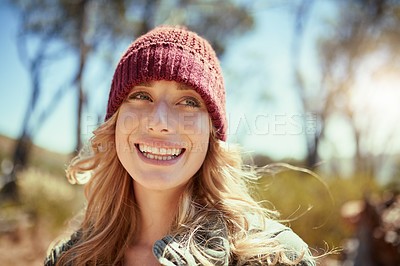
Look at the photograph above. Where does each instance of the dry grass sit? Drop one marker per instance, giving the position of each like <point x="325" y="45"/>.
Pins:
<point x="28" y="228"/>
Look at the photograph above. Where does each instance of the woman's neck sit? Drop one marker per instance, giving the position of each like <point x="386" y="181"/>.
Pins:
<point x="157" y="212"/>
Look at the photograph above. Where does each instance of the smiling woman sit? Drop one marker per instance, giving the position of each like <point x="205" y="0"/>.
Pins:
<point x="164" y="186"/>
<point x="169" y="127"/>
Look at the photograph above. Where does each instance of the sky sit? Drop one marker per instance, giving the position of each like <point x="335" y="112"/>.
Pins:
<point x="256" y="63"/>
<point x="14" y="89"/>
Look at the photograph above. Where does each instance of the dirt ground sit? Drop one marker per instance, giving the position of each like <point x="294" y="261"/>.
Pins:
<point x="24" y="246"/>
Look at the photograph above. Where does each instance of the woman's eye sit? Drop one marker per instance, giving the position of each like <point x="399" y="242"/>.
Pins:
<point x="190" y="102"/>
<point x="142" y="96"/>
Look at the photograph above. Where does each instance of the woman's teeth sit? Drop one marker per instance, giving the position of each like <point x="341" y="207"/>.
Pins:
<point x="156" y="153"/>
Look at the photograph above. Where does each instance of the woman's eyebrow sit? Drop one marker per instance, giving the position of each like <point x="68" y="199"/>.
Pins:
<point x="183" y="86"/>
<point x="145" y="84"/>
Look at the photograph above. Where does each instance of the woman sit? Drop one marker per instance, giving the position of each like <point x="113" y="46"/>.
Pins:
<point x="164" y="187"/>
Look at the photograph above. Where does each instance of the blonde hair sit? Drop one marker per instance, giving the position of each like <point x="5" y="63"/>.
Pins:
<point x="218" y="189"/>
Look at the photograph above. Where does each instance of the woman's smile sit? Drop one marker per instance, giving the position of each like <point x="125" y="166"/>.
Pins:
<point x="159" y="153"/>
<point x="162" y="154"/>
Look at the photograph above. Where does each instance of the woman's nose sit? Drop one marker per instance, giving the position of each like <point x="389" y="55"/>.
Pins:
<point x="159" y="120"/>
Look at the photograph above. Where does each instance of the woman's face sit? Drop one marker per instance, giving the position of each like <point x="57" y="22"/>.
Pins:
<point x="162" y="134"/>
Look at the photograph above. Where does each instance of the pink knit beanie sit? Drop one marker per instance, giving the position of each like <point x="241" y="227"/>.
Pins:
<point x="175" y="54"/>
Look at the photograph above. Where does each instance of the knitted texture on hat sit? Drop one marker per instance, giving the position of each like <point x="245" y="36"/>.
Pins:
<point x="174" y="54"/>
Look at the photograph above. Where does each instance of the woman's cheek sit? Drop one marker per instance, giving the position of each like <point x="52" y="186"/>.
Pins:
<point x="195" y="123"/>
<point x="197" y="128"/>
<point x="128" y="119"/>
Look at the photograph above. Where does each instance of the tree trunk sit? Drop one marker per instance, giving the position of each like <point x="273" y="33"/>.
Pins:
<point x="301" y="16"/>
<point x="24" y="142"/>
<point x="312" y="154"/>
<point x="20" y="159"/>
<point x="83" y="52"/>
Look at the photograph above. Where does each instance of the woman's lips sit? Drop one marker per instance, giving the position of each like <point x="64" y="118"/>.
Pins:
<point x="160" y="154"/>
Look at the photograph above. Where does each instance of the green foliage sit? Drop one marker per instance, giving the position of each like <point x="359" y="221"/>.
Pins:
<point x="307" y="204"/>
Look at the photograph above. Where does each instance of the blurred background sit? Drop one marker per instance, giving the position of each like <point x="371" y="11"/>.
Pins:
<point x="312" y="83"/>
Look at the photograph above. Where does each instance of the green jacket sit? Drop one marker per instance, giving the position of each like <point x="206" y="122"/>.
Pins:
<point x="214" y="239"/>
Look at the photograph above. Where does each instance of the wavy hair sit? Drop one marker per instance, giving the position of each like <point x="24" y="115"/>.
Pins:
<point x="220" y="186"/>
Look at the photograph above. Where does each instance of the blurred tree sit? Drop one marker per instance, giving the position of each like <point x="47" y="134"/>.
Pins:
<point x="84" y="27"/>
<point x="48" y="30"/>
<point x="364" y="29"/>
<point x="301" y="14"/>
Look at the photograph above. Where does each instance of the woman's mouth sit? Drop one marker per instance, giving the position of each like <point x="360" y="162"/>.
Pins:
<point x="161" y="154"/>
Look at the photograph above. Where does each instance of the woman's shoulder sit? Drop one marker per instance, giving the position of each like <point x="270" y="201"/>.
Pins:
<point x="56" y="252"/>
<point x="284" y="235"/>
